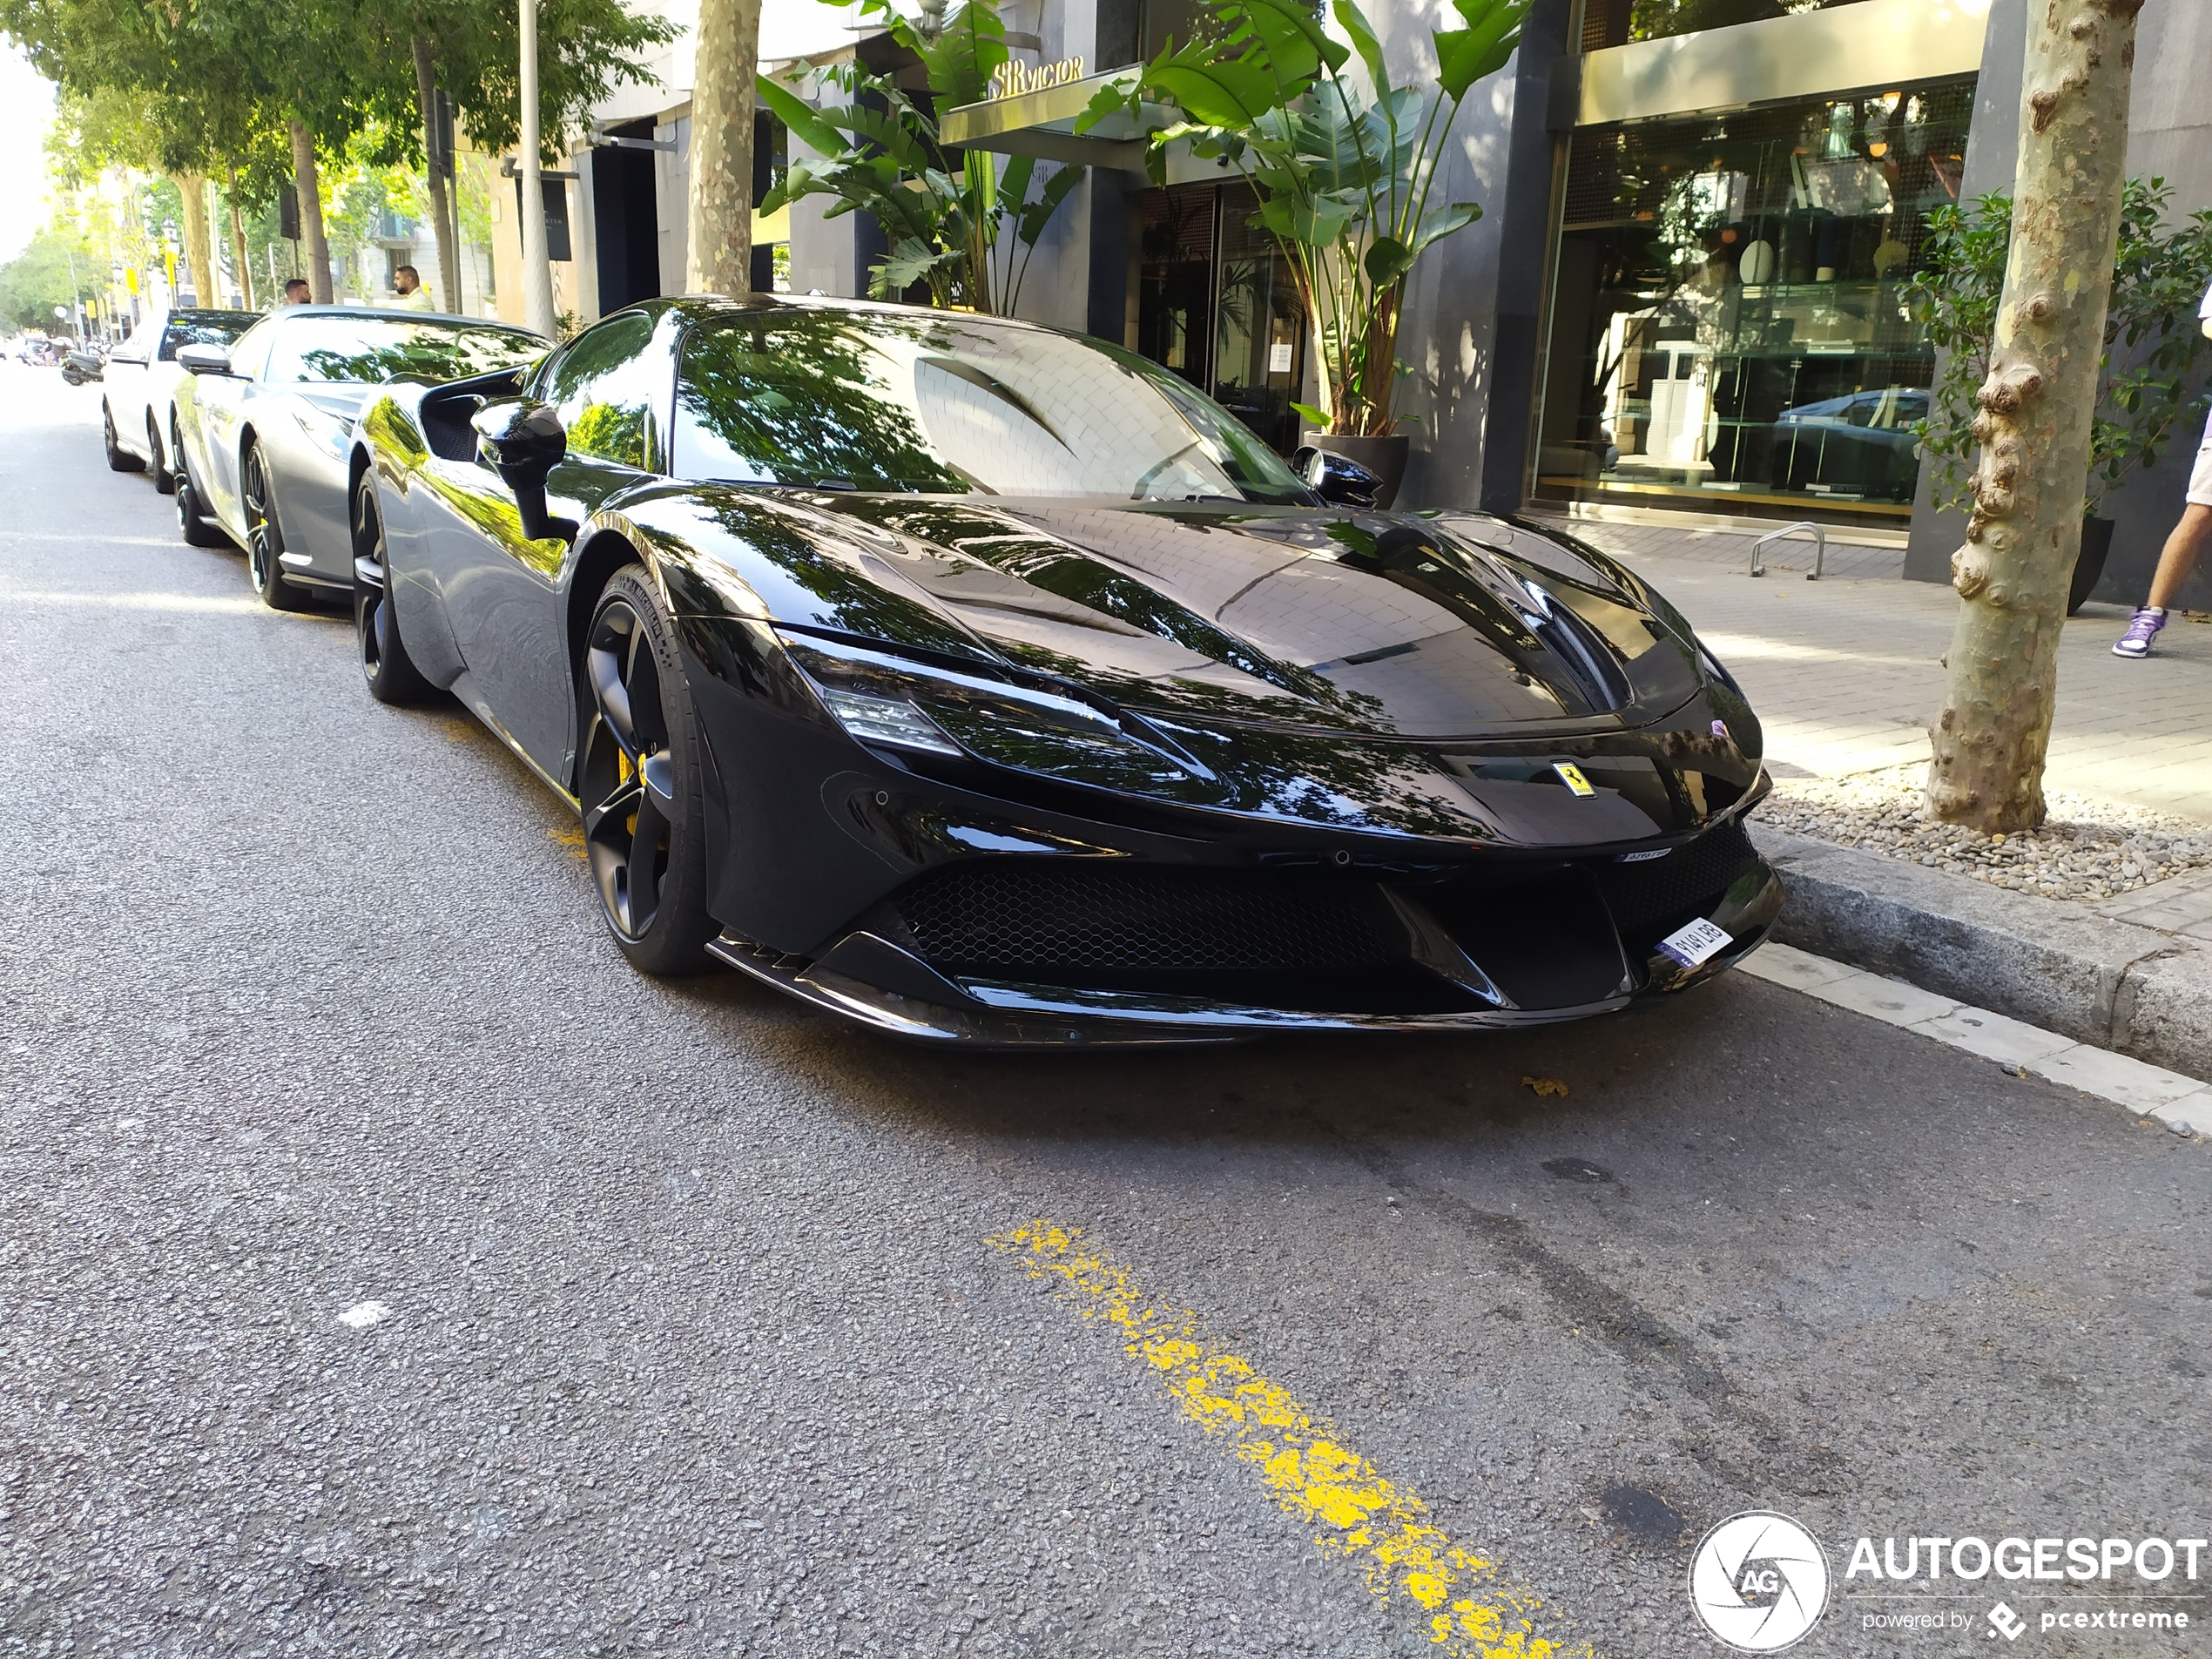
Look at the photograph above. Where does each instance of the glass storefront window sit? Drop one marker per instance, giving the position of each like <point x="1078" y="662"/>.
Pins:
<point x="1216" y="305"/>
<point x="1615" y="22"/>
<point x="1729" y="329"/>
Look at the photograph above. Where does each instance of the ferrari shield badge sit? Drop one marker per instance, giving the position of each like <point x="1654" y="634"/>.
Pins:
<point x="1571" y="775"/>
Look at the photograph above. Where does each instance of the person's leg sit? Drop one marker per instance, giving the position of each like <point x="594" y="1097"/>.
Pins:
<point x="2179" y="557"/>
<point x="2177" y="560"/>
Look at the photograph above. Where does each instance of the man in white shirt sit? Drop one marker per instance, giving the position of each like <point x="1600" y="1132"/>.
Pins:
<point x="407" y="283"/>
<point x="2179" y="557"/>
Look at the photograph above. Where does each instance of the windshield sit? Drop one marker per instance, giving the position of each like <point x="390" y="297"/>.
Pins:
<point x="372" y="350"/>
<point x="204" y="328"/>
<point x="946" y="404"/>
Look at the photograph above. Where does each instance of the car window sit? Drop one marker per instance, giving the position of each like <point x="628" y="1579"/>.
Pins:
<point x="251" y="355"/>
<point x="606" y="388"/>
<point x="947" y="404"/>
<point x="204" y="328"/>
<point x="372" y="350"/>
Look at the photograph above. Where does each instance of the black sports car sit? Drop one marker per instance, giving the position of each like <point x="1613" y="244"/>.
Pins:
<point x="982" y="682"/>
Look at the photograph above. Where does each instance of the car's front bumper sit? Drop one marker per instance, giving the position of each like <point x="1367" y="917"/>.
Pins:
<point x="998" y="1012"/>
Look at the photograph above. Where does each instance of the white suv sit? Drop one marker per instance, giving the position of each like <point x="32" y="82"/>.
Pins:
<point x="140" y="382"/>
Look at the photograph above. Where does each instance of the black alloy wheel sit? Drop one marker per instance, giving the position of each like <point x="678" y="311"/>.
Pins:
<point x="639" y="782"/>
<point x="159" y="465"/>
<point x="118" y="458"/>
<point x="197" y="529"/>
<point x="264" y="538"/>
<point x="392" y="675"/>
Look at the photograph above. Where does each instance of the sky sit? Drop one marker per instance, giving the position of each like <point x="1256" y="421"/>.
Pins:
<point x="26" y="109"/>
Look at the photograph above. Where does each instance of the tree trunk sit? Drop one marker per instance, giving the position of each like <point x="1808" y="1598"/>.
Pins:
<point x="199" y="253"/>
<point x="442" y="224"/>
<point x="307" y="181"/>
<point x="2036" y="405"/>
<point x="238" y="241"/>
<point x="719" y="253"/>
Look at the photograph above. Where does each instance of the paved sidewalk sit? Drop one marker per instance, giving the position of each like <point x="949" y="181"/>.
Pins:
<point x="1846" y="674"/>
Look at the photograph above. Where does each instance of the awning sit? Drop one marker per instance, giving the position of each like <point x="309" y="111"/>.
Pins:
<point x="1042" y="123"/>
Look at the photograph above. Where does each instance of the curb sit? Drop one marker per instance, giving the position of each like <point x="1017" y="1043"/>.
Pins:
<point x="2110" y="984"/>
<point x="2153" y="1094"/>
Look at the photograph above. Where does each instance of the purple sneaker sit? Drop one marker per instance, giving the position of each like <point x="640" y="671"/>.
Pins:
<point x="2144" y="628"/>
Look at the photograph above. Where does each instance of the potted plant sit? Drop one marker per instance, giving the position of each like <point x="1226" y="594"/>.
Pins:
<point x="2152" y="375"/>
<point x="945" y="213"/>
<point x="1344" y="166"/>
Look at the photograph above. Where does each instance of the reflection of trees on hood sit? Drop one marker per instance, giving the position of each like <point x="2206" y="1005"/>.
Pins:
<point x="798" y="401"/>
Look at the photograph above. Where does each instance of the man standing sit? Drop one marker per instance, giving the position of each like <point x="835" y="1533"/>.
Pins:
<point x="2179" y="556"/>
<point x="407" y="282"/>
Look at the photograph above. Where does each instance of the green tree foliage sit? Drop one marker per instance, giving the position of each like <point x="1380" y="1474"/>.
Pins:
<point x="2152" y="376"/>
<point x="38" y="279"/>
<point x="1344" y="164"/>
<point x="946" y="214"/>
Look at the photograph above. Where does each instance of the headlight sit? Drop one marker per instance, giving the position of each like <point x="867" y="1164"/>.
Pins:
<point x="887" y="700"/>
<point x="886" y="720"/>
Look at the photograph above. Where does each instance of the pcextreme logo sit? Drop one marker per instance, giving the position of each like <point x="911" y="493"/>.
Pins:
<point x="1758" y="1582"/>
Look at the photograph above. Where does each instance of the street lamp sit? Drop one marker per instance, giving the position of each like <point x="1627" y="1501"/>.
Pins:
<point x="537" y="270"/>
<point x="75" y="297"/>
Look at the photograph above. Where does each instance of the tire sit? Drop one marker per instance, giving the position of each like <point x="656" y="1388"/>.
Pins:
<point x="159" y="465"/>
<point x="118" y="458"/>
<point x="391" y="673"/>
<point x="639" y="781"/>
<point x="197" y="529"/>
<point x="264" y="536"/>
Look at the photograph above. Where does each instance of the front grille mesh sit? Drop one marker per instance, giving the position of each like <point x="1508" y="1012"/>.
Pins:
<point x="1685" y="883"/>
<point x="1015" y="918"/>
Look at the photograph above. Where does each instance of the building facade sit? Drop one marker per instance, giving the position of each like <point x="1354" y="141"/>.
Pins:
<point x="1686" y="296"/>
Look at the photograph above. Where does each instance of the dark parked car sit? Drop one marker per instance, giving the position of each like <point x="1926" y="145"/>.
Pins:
<point x="977" y="681"/>
<point x="1859" y="444"/>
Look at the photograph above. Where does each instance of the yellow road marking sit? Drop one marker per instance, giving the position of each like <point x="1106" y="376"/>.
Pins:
<point x="570" y="837"/>
<point x="1472" y="1611"/>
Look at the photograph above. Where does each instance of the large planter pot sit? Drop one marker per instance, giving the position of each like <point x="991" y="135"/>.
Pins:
<point x="1384" y="458"/>
<point x="2090" y="563"/>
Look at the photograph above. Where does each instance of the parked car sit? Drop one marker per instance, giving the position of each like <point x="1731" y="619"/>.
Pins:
<point x="984" y="682"/>
<point x="140" y="409"/>
<point x="265" y="427"/>
<point x="1859" y="444"/>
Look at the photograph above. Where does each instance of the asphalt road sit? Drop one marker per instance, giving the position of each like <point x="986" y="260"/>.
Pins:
<point x="676" y="1322"/>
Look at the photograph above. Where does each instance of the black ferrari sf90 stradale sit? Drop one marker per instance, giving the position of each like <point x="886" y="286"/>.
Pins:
<point x="984" y="682"/>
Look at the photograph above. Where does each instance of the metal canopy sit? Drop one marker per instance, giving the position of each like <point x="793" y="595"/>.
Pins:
<point x="1043" y="124"/>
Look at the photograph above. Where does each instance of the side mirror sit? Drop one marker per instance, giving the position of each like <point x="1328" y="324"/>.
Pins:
<point x="523" y="440"/>
<point x="1339" y="481"/>
<point x="204" y="359"/>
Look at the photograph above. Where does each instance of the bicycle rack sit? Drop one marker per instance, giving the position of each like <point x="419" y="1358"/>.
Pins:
<point x="1819" y="547"/>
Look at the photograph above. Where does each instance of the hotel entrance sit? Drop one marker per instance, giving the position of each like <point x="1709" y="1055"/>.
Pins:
<point x="1215" y="303"/>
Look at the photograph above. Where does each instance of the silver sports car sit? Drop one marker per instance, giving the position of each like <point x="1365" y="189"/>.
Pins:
<point x="264" y="428"/>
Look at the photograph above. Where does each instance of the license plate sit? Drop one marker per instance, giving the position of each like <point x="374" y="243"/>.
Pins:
<point x="1693" y="944"/>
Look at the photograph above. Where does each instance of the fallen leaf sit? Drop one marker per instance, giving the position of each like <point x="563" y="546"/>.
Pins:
<point x="2198" y="616"/>
<point x="1545" y="1085"/>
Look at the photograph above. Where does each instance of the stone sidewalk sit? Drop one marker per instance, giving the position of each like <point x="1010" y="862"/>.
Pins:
<point x="1846" y="674"/>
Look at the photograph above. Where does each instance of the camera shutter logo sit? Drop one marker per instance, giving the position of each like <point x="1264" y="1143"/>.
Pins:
<point x="1758" y="1582"/>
